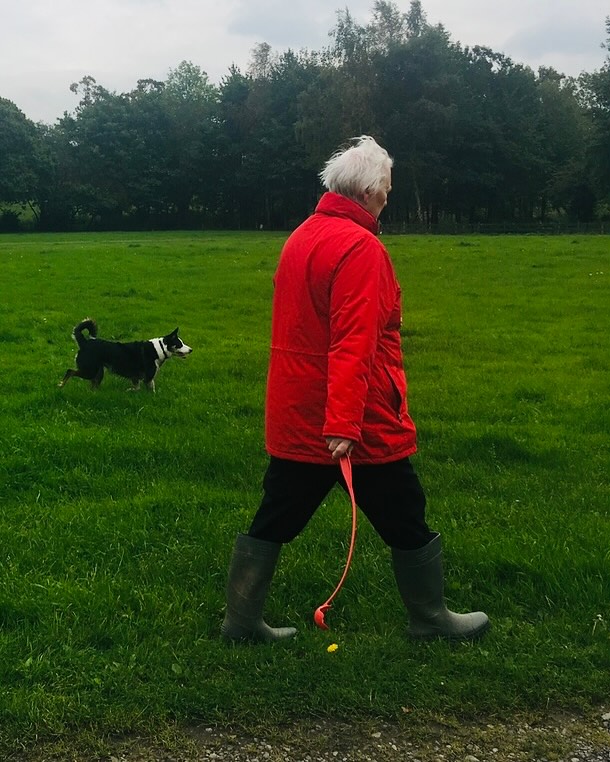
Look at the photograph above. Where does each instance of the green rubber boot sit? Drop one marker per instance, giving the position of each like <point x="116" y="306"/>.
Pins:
<point x="419" y="576"/>
<point x="250" y="575"/>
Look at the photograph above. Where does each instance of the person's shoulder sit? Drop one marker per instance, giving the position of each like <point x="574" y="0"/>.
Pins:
<point x="369" y="240"/>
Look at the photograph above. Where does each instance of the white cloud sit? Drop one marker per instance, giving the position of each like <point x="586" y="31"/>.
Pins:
<point x="45" y="46"/>
<point x="559" y="33"/>
<point x="561" y="36"/>
<point x="278" y="23"/>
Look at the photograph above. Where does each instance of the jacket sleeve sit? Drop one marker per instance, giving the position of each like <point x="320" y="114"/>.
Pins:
<point x="358" y="312"/>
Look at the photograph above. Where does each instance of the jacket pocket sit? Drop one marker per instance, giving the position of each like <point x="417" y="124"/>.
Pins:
<point x="397" y="392"/>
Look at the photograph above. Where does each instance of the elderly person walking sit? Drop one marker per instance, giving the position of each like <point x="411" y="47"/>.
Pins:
<point x="336" y="387"/>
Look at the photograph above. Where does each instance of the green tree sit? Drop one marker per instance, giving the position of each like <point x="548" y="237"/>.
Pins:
<point x="237" y="122"/>
<point x="416" y="19"/>
<point x="100" y="140"/>
<point x="57" y="199"/>
<point x="595" y="96"/>
<point x="337" y="102"/>
<point x="389" y="27"/>
<point x="143" y="157"/>
<point x="414" y="100"/>
<point x="267" y="179"/>
<point x="262" y="60"/>
<point x="191" y="103"/>
<point x="511" y="109"/>
<point x="19" y="154"/>
<point x="565" y="134"/>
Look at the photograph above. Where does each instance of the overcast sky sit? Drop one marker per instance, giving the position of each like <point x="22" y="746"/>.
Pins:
<point x="45" y="45"/>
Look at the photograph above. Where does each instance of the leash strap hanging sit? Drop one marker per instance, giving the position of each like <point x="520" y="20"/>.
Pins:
<point x="346" y="470"/>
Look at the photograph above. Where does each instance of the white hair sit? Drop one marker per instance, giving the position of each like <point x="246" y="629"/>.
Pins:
<point x="362" y="166"/>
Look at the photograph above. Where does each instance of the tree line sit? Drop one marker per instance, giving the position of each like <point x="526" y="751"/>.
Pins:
<point x="475" y="137"/>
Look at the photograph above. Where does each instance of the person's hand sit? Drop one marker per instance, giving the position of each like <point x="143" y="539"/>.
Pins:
<point x="339" y="447"/>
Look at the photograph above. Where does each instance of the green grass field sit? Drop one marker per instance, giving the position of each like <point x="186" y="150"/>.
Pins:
<point x="119" y="509"/>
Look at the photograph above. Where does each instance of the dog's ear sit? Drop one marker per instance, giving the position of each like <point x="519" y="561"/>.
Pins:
<point x="175" y="331"/>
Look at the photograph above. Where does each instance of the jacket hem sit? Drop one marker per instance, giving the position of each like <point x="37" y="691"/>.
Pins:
<point x="328" y="461"/>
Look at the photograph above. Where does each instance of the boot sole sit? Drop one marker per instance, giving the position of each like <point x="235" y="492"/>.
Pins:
<point x="439" y="636"/>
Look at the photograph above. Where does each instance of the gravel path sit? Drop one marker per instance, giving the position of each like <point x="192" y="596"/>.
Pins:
<point x="557" y="738"/>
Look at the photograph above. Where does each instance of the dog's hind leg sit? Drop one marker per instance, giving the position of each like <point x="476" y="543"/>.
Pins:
<point x="67" y="376"/>
<point x="97" y="379"/>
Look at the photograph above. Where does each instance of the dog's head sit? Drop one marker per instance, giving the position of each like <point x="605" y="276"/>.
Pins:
<point x="175" y="346"/>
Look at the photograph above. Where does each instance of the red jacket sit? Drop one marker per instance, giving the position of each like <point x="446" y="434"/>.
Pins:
<point x="336" y="367"/>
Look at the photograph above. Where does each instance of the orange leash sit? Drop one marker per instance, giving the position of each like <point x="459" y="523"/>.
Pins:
<point x="346" y="470"/>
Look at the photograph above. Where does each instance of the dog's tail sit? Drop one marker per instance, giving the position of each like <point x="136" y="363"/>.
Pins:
<point x="88" y="325"/>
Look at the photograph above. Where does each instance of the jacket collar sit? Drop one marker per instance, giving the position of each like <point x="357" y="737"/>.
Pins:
<point x="336" y="205"/>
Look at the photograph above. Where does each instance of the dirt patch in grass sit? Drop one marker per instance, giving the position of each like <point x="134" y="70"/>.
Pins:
<point x="557" y="737"/>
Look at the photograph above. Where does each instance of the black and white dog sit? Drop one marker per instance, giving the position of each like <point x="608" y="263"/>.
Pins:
<point x="136" y="360"/>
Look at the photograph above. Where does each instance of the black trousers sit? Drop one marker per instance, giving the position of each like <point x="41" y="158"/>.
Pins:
<point x="390" y="495"/>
